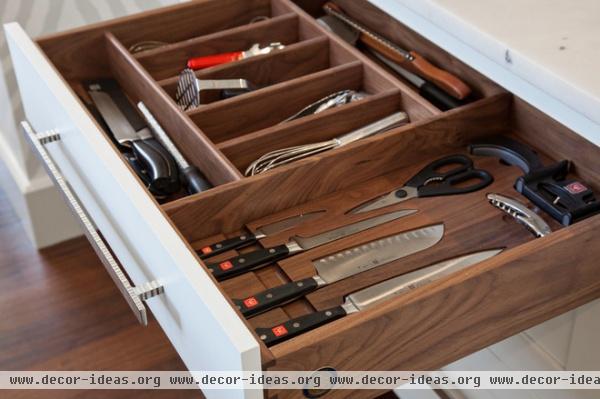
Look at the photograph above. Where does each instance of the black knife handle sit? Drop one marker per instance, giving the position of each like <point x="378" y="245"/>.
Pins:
<point x="299" y="325"/>
<point x="246" y="262"/>
<point x="196" y="182"/>
<point x="226" y="245"/>
<point x="439" y="97"/>
<point x="159" y="164"/>
<point x="275" y="297"/>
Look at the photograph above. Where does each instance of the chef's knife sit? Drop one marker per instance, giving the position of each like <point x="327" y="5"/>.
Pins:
<point x="130" y="130"/>
<point x="245" y="262"/>
<point x="344" y="264"/>
<point x="372" y="295"/>
<point x="264" y="231"/>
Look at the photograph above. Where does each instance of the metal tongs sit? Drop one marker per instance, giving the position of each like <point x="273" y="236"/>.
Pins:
<point x="284" y="156"/>
<point x="331" y="101"/>
<point x="521" y="213"/>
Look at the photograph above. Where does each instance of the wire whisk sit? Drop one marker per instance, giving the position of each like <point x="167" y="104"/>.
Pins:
<point x="284" y="156"/>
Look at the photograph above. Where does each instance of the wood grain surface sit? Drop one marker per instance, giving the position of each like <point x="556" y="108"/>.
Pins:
<point x="169" y="60"/>
<point x="194" y="145"/>
<point x="533" y="280"/>
<point x="312" y="129"/>
<point x="266" y="107"/>
<point x="169" y="24"/>
<point x="296" y="60"/>
<point x="226" y="209"/>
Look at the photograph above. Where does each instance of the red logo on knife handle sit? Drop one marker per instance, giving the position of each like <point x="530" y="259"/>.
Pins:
<point x="206" y="250"/>
<point x="250" y="302"/>
<point x="226" y="265"/>
<point x="279" y="330"/>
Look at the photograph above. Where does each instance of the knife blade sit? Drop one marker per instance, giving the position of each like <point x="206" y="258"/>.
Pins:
<point x="344" y="264"/>
<point x="130" y="130"/>
<point x="264" y="231"/>
<point x="245" y="262"/>
<point x="371" y="296"/>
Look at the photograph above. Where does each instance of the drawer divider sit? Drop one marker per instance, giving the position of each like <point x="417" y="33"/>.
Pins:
<point x="170" y="59"/>
<point x="271" y="105"/>
<point x="311" y="129"/>
<point x="193" y="143"/>
<point x="295" y="60"/>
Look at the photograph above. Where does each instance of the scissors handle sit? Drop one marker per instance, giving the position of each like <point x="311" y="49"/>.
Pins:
<point x="431" y="172"/>
<point x="451" y="185"/>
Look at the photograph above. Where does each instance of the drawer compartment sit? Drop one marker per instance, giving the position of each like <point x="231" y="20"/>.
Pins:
<point x="530" y="281"/>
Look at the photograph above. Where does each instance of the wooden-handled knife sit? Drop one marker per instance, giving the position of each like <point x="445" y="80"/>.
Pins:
<point x="410" y="60"/>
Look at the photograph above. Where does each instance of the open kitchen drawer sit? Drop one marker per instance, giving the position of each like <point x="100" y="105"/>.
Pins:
<point x="531" y="281"/>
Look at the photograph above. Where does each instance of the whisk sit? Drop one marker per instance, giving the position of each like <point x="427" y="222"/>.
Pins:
<point x="284" y="156"/>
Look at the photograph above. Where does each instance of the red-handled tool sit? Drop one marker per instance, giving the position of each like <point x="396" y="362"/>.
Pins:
<point x="208" y="61"/>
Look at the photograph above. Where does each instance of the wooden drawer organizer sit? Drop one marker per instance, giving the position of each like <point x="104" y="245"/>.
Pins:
<point x="534" y="280"/>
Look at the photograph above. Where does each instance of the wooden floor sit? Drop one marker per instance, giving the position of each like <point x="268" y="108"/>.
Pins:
<point x="59" y="310"/>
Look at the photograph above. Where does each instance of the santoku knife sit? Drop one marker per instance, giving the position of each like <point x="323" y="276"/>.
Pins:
<point x="264" y="231"/>
<point x="243" y="263"/>
<point x="372" y="295"/>
<point x="344" y="264"/>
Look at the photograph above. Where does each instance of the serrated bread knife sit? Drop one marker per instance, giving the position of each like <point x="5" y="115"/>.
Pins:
<point x="344" y="264"/>
<point x="371" y="296"/>
<point x="246" y="262"/>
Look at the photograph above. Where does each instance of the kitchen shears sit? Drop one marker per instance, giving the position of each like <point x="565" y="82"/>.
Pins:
<point x="435" y="179"/>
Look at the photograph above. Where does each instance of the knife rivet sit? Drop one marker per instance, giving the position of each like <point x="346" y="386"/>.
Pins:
<point x="242" y="238"/>
<point x="296" y="325"/>
<point x="328" y="313"/>
<point x="269" y="296"/>
<point x="241" y="260"/>
<point x="300" y="284"/>
<point x="271" y="251"/>
<point x="263" y="337"/>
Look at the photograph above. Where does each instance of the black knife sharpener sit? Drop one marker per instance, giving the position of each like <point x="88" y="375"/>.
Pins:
<point x="566" y="200"/>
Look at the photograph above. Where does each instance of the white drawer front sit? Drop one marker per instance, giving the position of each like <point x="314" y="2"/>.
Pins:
<point x="202" y="326"/>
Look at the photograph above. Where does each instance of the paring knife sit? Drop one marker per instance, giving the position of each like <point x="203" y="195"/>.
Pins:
<point x="243" y="263"/>
<point x="264" y="231"/>
<point x="370" y="296"/>
<point x="343" y="265"/>
<point x="195" y="181"/>
<point x="130" y="130"/>
<point x="410" y="60"/>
